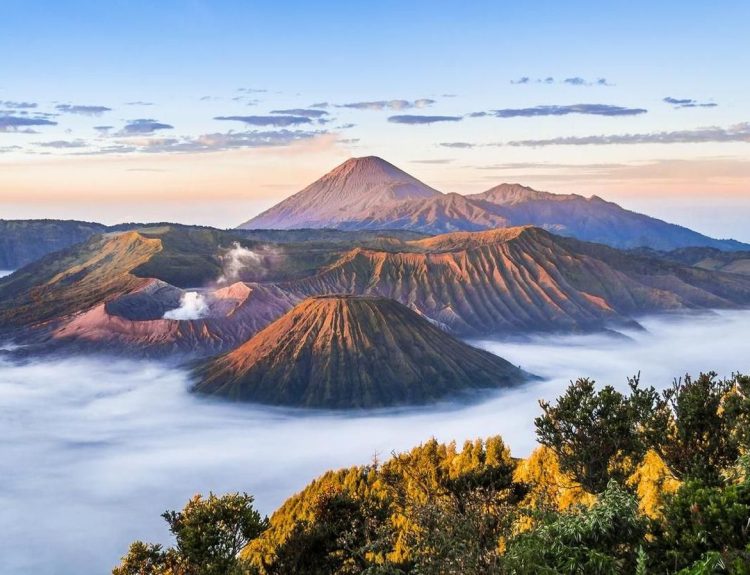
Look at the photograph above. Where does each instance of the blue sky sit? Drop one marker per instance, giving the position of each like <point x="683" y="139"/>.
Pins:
<point x="563" y="96"/>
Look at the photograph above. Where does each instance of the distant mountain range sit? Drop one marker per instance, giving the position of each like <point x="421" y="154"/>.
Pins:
<point x="24" y="241"/>
<point x="352" y="352"/>
<point x="360" y="307"/>
<point x="113" y="291"/>
<point x="371" y="194"/>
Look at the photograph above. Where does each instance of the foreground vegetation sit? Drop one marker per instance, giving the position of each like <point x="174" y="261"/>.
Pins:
<point x="638" y="482"/>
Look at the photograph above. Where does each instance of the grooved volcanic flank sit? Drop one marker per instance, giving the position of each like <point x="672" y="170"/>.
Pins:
<point x="356" y="185"/>
<point x="352" y="352"/>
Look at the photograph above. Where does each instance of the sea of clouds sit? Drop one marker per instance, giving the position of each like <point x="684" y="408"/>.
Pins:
<point x="94" y="449"/>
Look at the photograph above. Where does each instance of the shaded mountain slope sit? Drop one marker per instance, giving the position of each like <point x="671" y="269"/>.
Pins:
<point x="352" y="352"/>
<point x="371" y="194"/>
<point x="134" y="324"/>
<point x="356" y="185"/>
<point x="112" y="292"/>
<point x="522" y="279"/>
<point x="707" y="258"/>
<point x="67" y="282"/>
<point x="24" y="241"/>
<point x="591" y="219"/>
<point x="440" y="214"/>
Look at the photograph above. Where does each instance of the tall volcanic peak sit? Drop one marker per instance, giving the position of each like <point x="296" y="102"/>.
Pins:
<point x="353" y="187"/>
<point x="371" y="194"/>
<point x="343" y="352"/>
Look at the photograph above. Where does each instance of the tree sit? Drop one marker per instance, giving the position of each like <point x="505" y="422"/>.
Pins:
<point x="700" y="426"/>
<point x="596" y="435"/>
<point x="702" y="521"/>
<point x="457" y="515"/>
<point x="607" y="537"/>
<point x="346" y="536"/>
<point x="209" y="534"/>
<point x="143" y="559"/>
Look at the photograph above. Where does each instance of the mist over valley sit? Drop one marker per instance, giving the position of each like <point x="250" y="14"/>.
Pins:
<point x="96" y="448"/>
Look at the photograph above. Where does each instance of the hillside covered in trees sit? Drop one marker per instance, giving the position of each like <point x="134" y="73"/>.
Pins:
<point x="637" y="482"/>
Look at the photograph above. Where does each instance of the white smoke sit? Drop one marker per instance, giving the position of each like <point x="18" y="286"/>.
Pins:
<point x="237" y="259"/>
<point x="192" y="306"/>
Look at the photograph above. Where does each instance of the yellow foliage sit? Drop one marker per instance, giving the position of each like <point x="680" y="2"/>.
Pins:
<point x="652" y="480"/>
<point x="419" y="472"/>
<point x="549" y="486"/>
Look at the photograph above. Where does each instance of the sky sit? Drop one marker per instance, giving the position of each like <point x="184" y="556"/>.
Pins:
<point x="210" y="111"/>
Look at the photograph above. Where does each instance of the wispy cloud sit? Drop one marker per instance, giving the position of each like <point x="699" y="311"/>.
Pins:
<point x="231" y="140"/>
<point x="82" y="110"/>
<point x="458" y="145"/>
<point x="139" y="103"/>
<point x="435" y="161"/>
<point x="103" y="129"/>
<point x="415" y="119"/>
<point x="17" y="105"/>
<point x="571" y="81"/>
<point x="578" y="81"/>
<point x="736" y="133"/>
<point x="306" y="112"/>
<point x="587" y="109"/>
<point x="143" y="126"/>
<point x="277" y="121"/>
<point x="389" y="104"/>
<point x="22" y="123"/>
<point x="206" y="142"/>
<point x="688" y="103"/>
<point x="62" y="144"/>
<point x="544" y="166"/>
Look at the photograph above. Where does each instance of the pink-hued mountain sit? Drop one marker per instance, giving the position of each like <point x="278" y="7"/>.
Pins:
<point x="371" y="194"/>
<point x="351" y="188"/>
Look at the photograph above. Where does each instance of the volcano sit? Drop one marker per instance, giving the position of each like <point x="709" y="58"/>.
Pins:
<point x="347" y="352"/>
<point x="352" y="187"/>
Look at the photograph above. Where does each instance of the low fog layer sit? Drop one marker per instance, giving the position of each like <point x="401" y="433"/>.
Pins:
<point x="94" y="450"/>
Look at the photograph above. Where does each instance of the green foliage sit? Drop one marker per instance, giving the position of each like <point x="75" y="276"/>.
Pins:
<point x="595" y="434"/>
<point x="209" y="533"/>
<point x="143" y="559"/>
<point x="437" y="510"/>
<point x="606" y="538"/>
<point x="704" y="521"/>
<point x="701" y="425"/>
<point x="346" y="536"/>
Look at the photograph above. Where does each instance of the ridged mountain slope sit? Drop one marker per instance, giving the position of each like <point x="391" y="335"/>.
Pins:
<point x="24" y="241"/>
<point x="522" y="279"/>
<point x="590" y="219"/>
<point x="352" y="187"/>
<point x="352" y="352"/>
<point x="441" y="214"/>
<point x="76" y="279"/>
<point x="371" y="194"/>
